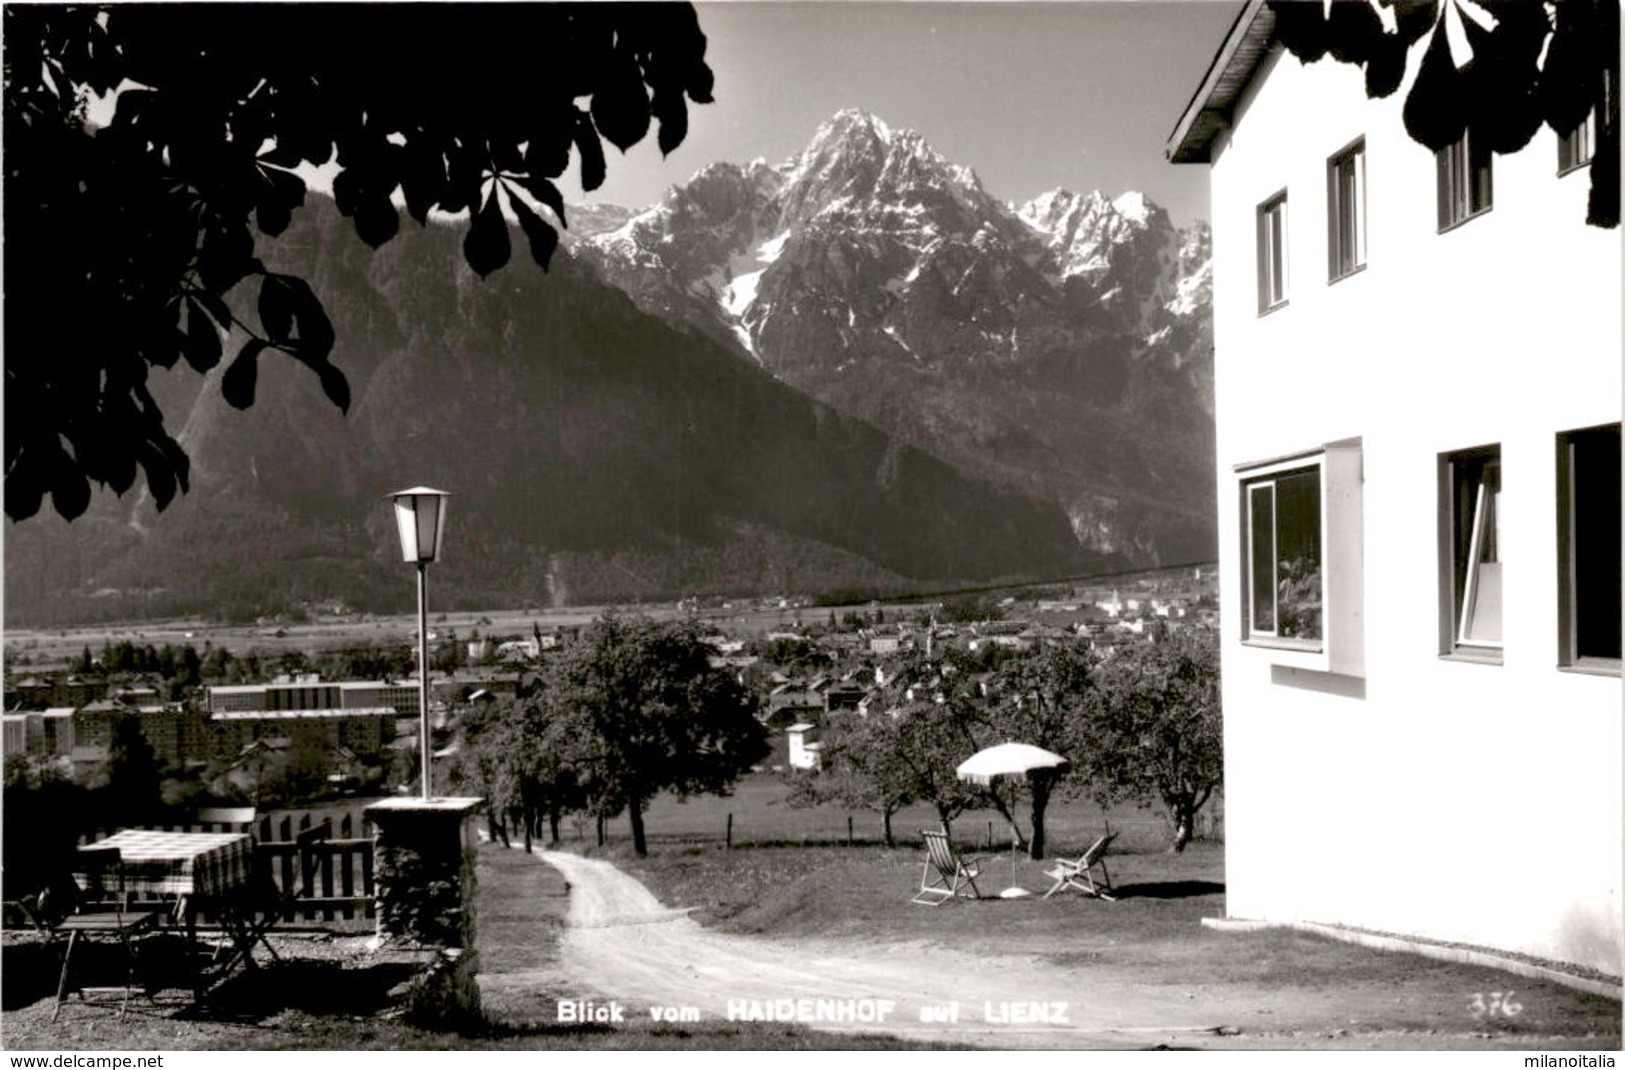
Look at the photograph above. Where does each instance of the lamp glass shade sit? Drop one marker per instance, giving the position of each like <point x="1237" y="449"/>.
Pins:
<point x="420" y="514"/>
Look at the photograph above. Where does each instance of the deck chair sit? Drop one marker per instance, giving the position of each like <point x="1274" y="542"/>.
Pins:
<point x="103" y="909"/>
<point x="1079" y="874"/>
<point x="945" y="875"/>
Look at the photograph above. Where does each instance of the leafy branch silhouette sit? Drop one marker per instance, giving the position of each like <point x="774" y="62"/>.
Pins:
<point x="125" y="237"/>
<point x="1516" y="64"/>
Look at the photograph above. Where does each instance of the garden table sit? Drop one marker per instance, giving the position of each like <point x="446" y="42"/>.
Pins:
<point x="204" y="872"/>
<point x="190" y="865"/>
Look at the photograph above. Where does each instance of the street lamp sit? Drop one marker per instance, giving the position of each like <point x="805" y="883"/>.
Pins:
<point x="420" y="513"/>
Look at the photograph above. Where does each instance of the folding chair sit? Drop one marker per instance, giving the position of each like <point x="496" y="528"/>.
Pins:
<point x="260" y="906"/>
<point x="1080" y="875"/>
<point x="103" y="909"/>
<point x="945" y="875"/>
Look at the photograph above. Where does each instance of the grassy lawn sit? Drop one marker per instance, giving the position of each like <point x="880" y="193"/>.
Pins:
<point x="761" y="816"/>
<point x="1274" y="987"/>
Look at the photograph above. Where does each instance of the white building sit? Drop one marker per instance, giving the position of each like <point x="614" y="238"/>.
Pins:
<point x="1421" y="673"/>
<point x="800" y="752"/>
<point x="520" y="649"/>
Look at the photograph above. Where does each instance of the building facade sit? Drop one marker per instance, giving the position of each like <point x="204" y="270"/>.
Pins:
<point x="177" y="733"/>
<point x="50" y="732"/>
<point x="314" y="694"/>
<point x="362" y="732"/>
<point x="1418" y="395"/>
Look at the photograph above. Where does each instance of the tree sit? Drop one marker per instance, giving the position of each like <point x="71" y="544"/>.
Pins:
<point x="1046" y="696"/>
<point x="43" y="814"/>
<point x="134" y="779"/>
<point x="488" y="759"/>
<point x="861" y="766"/>
<point x="970" y="608"/>
<point x="449" y="654"/>
<point x="1513" y="66"/>
<point x="139" y="233"/>
<point x="648" y="713"/>
<point x="909" y="749"/>
<point x="930" y="741"/>
<point x="508" y="754"/>
<point x="1157" y="732"/>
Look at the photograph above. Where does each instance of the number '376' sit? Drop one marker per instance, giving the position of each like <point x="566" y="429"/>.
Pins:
<point x="1497" y="1003"/>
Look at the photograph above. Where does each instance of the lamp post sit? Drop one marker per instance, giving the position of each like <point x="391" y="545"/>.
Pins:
<point x="420" y="513"/>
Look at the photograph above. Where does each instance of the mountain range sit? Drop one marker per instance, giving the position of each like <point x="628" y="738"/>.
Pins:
<point x="854" y="371"/>
<point x="1062" y="347"/>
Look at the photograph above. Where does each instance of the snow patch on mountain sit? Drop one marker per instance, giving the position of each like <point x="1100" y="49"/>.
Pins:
<point x="772" y="249"/>
<point x="745" y="340"/>
<point x="1194" y="291"/>
<point x="740" y="294"/>
<point x="1133" y="207"/>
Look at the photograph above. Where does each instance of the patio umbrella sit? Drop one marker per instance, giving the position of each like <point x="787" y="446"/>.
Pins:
<point x="1008" y="759"/>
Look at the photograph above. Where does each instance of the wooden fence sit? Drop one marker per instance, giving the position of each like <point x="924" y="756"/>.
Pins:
<point x="321" y="879"/>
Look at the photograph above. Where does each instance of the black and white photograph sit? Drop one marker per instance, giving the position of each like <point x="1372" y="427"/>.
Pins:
<point x="795" y="525"/>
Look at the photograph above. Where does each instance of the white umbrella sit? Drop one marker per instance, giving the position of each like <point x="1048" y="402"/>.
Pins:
<point x="1008" y="759"/>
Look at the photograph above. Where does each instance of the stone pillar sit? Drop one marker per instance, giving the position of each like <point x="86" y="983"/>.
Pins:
<point x="423" y="867"/>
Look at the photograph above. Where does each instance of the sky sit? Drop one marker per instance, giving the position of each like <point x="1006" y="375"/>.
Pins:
<point x="1080" y="94"/>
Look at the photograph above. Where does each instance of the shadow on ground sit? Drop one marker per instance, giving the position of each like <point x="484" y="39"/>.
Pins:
<point x="320" y="988"/>
<point x="31" y="972"/>
<point x="1168" y="890"/>
<point x="28" y="973"/>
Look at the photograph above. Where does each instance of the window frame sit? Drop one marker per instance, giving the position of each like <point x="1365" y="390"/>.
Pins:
<point x="1461" y="580"/>
<point x="1273" y="257"/>
<point x="1457" y="166"/>
<point x="1576" y="149"/>
<point x="1341" y="261"/>
<point x="1568" y="584"/>
<point x="1269" y="475"/>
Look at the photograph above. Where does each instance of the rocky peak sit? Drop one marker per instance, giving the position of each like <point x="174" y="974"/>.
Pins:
<point x="856" y="159"/>
<point x="1087" y="234"/>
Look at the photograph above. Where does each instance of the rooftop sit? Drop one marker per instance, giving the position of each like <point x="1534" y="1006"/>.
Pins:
<point x="289" y="715"/>
<point x="1212" y="108"/>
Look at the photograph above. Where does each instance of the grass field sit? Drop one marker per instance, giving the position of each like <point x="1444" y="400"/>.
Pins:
<point x="761" y="816"/>
<point x="45" y="647"/>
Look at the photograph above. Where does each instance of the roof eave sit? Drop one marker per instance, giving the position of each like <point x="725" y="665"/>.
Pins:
<point x="1212" y="108"/>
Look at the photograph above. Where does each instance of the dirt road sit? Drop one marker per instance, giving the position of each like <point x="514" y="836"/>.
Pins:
<point x="624" y="945"/>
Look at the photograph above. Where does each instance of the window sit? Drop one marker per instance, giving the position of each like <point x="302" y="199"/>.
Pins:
<point x="1301" y="528"/>
<point x="1272" y="254"/>
<point x="1588" y="525"/>
<point x="1575" y="149"/>
<point x="1465" y="185"/>
<point x="1282" y="516"/>
<point x="1345" y="211"/>
<point x="1472" y="512"/>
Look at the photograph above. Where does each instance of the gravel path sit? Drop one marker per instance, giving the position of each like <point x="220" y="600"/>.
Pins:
<point x="622" y="943"/>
